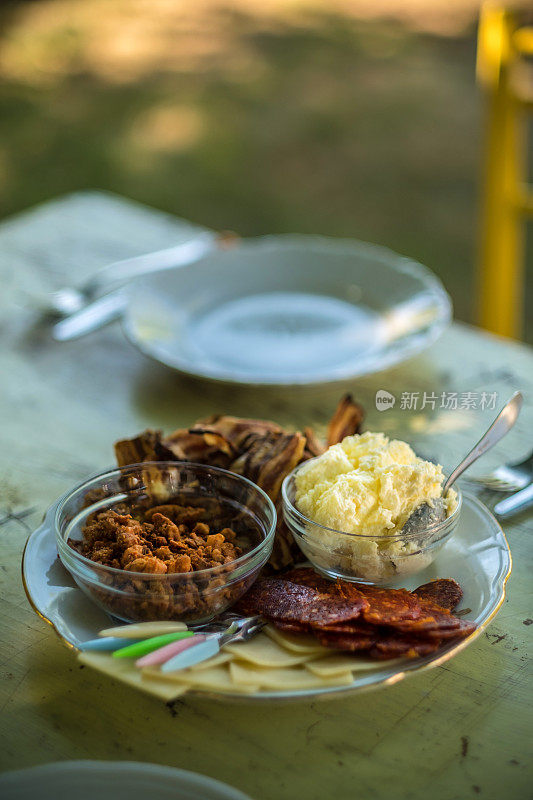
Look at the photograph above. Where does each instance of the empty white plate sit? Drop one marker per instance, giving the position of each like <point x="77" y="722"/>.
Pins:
<point x="284" y="310"/>
<point x="112" y="780"/>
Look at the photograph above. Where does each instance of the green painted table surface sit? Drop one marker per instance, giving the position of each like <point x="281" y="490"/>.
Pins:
<point x="461" y="730"/>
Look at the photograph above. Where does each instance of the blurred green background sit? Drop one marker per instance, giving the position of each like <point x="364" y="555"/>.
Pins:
<point x="347" y="117"/>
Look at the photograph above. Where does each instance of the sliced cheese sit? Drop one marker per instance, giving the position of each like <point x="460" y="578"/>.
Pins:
<point x="340" y="662"/>
<point x="214" y="661"/>
<point x="125" y="671"/>
<point x="266" y="652"/>
<point x="300" y="643"/>
<point x="214" y="679"/>
<point x="283" y="679"/>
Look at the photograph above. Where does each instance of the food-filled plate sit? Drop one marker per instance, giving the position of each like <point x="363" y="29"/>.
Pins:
<point x="477" y="557"/>
<point x="287" y="310"/>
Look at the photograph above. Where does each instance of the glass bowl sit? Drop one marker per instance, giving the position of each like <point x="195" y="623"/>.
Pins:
<point x="361" y="557"/>
<point x="191" y="597"/>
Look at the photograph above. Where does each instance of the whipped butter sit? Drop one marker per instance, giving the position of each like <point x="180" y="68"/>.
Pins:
<point x="369" y="485"/>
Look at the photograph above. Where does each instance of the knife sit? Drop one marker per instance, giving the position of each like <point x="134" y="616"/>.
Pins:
<point x="95" y="315"/>
<point x="516" y="502"/>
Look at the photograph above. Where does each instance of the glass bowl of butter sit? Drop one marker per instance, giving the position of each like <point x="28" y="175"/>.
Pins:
<point x="346" y="509"/>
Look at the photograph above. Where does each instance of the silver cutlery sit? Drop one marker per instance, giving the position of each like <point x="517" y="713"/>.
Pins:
<point x="426" y="514"/>
<point x="508" y="477"/>
<point x="517" y="502"/>
<point x="94" y="316"/>
<point x="71" y="300"/>
<point x="88" y="313"/>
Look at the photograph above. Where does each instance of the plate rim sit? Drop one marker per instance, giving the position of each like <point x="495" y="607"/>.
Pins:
<point x="396" y="356"/>
<point x="150" y="768"/>
<point x="331" y="692"/>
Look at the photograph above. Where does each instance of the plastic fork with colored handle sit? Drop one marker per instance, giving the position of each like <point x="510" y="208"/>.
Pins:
<point x="180" y="655"/>
<point x="134" y="647"/>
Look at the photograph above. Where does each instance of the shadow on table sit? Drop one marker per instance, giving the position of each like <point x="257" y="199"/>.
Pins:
<point x="165" y="396"/>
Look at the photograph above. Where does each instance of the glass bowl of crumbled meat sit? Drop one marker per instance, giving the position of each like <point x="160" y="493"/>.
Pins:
<point x="165" y="540"/>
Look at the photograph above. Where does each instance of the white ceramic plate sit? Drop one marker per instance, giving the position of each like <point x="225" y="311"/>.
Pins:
<point x="112" y="780"/>
<point x="287" y="310"/>
<point x="477" y="556"/>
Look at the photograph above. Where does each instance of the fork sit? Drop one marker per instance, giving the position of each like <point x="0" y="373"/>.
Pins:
<point x="71" y="300"/>
<point x="238" y="631"/>
<point x="508" y="477"/>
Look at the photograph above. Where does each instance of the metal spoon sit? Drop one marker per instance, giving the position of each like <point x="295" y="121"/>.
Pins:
<point x="426" y="514"/>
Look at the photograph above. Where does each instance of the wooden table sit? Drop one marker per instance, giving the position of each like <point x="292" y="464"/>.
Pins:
<point x="458" y="731"/>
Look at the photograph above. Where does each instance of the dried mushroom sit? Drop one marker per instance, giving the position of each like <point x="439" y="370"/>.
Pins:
<point x="346" y="420"/>
<point x="260" y="450"/>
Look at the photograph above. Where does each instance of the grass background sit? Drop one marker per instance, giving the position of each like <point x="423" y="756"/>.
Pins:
<point x="347" y="117"/>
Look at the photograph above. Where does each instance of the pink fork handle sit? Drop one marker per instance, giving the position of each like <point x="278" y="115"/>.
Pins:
<point x="169" y="650"/>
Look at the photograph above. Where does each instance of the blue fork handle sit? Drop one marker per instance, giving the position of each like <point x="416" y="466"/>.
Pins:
<point x="107" y="644"/>
<point x="194" y="655"/>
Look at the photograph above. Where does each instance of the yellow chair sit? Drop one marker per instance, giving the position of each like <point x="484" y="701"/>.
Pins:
<point x="504" y="74"/>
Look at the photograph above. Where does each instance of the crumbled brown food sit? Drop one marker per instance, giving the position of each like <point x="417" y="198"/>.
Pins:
<point x="156" y="546"/>
<point x="178" y="514"/>
<point x="444" y="591"/>
<point x="382" y="623"/>
<point x="152" y="546"/>
<point x="147" y="564"/>
<point x="257" y="449"/>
